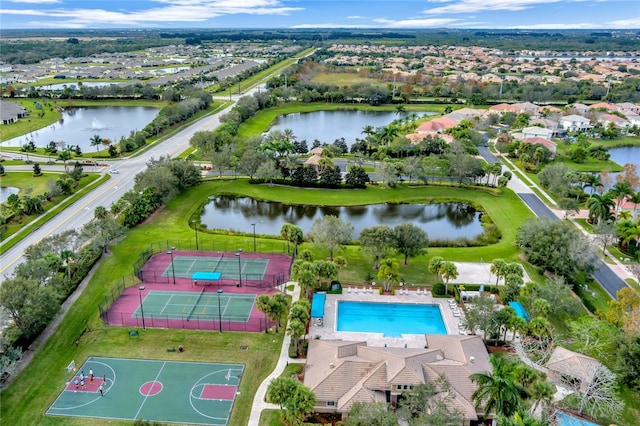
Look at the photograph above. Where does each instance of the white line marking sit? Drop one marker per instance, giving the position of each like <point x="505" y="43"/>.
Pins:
<point x="145" y="398"/>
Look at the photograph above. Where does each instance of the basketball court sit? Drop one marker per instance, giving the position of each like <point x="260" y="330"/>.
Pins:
<point x="164" y="391"/>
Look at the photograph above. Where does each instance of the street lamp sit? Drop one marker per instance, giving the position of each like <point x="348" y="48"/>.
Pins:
<point x="254" y="237"/>
<point x="220" y="291"/>
<point x="140" y="290"/>
<point x="195" y="227"/>
<point x="173" y="269"/>
<point x="239" y="266"/>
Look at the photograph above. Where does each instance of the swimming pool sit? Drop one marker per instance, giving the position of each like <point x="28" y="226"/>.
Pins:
<point x="392" y="319"/>
<point x="520" y="310"/>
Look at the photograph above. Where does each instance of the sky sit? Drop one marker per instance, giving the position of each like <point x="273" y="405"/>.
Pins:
<point x="390" y="14"/>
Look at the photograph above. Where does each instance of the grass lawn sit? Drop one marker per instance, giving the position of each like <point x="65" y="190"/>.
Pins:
<point x="507" y="211"/>
<point x="344" y="79"/>
<point x="25" y="401"/>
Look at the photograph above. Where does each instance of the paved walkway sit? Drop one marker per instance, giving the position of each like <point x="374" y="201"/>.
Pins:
<point x="259" y="403"/>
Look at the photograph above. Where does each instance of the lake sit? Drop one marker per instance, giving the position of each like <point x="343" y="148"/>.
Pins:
<point x="5" y="191"/>
<point x="439" y="220"/>
<point x="78" y="125"/>
<point x="327" y="126"/>
<point x="624" y="155"/>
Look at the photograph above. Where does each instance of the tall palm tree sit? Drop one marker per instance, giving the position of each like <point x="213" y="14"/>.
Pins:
<point x="497" y="390"/>
<point x="600" y="207"/>
<point x="635" y="199"/>
<point x="434" y="266"/>
<point x="96" y="141"/>
<point x="592" y="180"/>
<point x="620" y="191"/>
<point x="448" y="270"/>
<point x="498" y="268"/>
<point x="387" y="134"/>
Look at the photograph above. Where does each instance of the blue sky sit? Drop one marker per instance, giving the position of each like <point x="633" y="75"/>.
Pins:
<point x="533" y="14"/>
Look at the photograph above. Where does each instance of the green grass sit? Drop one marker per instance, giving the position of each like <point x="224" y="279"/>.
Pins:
<point x="507" y="211"/>
<point x="344" y="79"/>
<point x="271" y="418"/>
<point x="25" y="401"/>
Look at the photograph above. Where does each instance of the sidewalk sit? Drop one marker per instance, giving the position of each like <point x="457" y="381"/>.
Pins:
<point x="259" y="403"/>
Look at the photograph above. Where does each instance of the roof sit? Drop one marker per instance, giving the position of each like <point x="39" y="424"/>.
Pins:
<point x="540" y="141"/>
<point x="573" y="364"/>
<point x="604" y="105"/>
<point x="350" y="371"/>
<point x="574" y="117"/>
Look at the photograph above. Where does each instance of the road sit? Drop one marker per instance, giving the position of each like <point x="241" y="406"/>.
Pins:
<point x="81" y="212"/>
<point x="607" y="279"/>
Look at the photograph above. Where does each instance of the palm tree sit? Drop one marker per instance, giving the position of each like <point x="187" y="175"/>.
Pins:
<point x="541" y="393"/>
<point x="96" y="141"/>
<point x="263" y="303"/>
<point x="434" y="266"/>
<point x="448" y="270"/>
<point x="389" y="272"/>
<point x="497" y="390"/>
<point x="600" y="207"/>
<point x="387" y="134"/>
<point x="592" y="181"/>
<point x="498" y="267"/>
<point x="620" y="191"/>
<point x="635" y="199"/>
<point x="295" y="330"/>
<point x="540" y="327"/>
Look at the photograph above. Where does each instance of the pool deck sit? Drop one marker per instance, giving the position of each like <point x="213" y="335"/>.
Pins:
<point x="327" y="330"/>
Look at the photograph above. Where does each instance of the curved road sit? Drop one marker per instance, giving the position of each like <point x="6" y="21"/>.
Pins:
<point x="607" y="279"/>
<point x="81" y="212"/>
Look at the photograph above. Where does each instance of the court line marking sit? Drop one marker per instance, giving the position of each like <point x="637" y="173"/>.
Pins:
<point x="192" y="397"/>
<point x="113" y="382"/>
<point x="165" y="305"/>
<point x="122" y="418"/>
<point x="147" y="396"/>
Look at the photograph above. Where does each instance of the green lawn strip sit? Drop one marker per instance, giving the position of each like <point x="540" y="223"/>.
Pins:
<point x="507" y="211"/>
<point x="271" y="417"/>
<point x="622" y="141"/>
<point x="590" y="165"/>
<point x="260" y="122"/>
<point x="87" y="184"/>
<point x="585" y="225"/>
<point x="633" y="283"/>
<point x="25" y="401"/>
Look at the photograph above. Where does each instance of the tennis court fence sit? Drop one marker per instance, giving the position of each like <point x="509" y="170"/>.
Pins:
<point x="197" y="322"/>
<point x="248" y="280"/>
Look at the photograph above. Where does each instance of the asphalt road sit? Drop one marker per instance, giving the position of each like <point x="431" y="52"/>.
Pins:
<point x="81" y="212"/>
<point x="602" y="273"/>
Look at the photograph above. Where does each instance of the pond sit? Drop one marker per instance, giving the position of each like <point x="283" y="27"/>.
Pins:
<point x="440" y="220"/>
<point x="327" y="126"/>
<point x="76" y="85"/>
<point x="5" y="191"/>
<point x="624" y="155"/>
<point x="78" y="125"/>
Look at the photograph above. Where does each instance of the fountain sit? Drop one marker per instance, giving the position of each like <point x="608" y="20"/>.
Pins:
<point x="96" y="125"/>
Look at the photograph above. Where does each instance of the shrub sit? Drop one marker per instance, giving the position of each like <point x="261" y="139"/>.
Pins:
<point x="438" y="289"/>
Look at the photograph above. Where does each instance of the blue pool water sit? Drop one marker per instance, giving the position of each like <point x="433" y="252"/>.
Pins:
<point x="566" y="420"/>
<point x="520" y="310"/>
<point x="392" y="319"/>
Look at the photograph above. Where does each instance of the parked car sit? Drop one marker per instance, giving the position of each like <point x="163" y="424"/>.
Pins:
<point x="17" y="157"/>
<point x="114" y="171"/>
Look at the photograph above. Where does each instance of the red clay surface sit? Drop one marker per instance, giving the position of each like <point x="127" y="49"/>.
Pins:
<point x="121" y="311"/>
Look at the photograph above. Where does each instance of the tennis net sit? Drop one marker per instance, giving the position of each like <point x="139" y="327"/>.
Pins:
<point x="193" y="308"/>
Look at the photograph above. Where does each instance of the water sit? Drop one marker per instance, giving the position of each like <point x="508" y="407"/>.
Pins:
<point x="5" y="191"/>
<point x="520" y="310"/>
<point x="392" y="319"/>
<point x="624" y="155"/>
<point x="78" y="125"/>
<point x="76" y="86"/>
<point x="439" y="220"/>
<point x="327" y="126"/>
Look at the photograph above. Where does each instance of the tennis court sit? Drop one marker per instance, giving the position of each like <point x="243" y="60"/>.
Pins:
<point x="194" y="305"/>
<point x="163" y="391"/>
<point x="228" y="267"/>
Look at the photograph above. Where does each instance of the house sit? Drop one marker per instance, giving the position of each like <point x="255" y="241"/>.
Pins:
<point x="550" y="145"/>
<point x="572" y="369"/>
<point x="341" y="372"/>
<point x="603" y="106"/>
<point x="501" y="109"/>
<point x="575" y="123"/>
<point x="537" y="132"/>
<point x="628" y="108"/>
<point x="437" y="125"/>
<point x="607" y="119"/>
<point x="11" y="111"/>
<point x="580" y="108"/>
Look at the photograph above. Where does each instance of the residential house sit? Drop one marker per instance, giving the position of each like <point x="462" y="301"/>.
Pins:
<point x="11" y="111"/>
<point x="550" y="145"/>
<point x="436" y="126"/>
<point x="580" y="108"/>
<point x="603" y="106"/>
<point x="575" y="123"/>
<point x="537" y="132"/>
<point x="607" y="119"/>
<point x="628" y="108"/>
<point x="341" y="372"/>
<point x="571" y="369"/>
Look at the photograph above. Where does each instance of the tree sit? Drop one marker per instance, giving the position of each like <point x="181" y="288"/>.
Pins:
<point x="221" y="158"/>
<point x="267" y="171"/>
<point x="295" y="398"/>
<point x="340" y="262"/>
<point x="434" y="266"/>
<point x="497" y="268"/>
<point x="600" y="207"/>
<point x="479" y="314"/>
<point x="356" y="176"/>
<point x="96" y="140"/>
<point x="627" y="356"/>
<point x="598" y="398"/>
<point x="295" y="330"/>
<point x="624" y="310"/>
<point x="376" y="241"/>
<point x="629" y="175"/>
<point x="389" y="273"/>
<point x="263" y="304"/>
<point x="292" y="234"/>
<point x="330" y="233"/>
<point x="277" y="308"/>
<point x="371" y="414"/>
<point x="557" y="246"/>
<point x="571" y="206"/>
<point x="593" y="337"/>
<point x="37" y="171"/>
<point x="448" y="270"/>
<point x="29" y="305"/>
<point x="410" y="240"/>
<point x="522" y="418"/>
<point x="497" y="390"/>
<point x="430" y="404"/>
<point x="620" y="191"/>
<point x="605" y="233"/>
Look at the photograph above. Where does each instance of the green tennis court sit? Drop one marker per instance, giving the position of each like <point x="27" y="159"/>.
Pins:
<point x="229" y="267"/>
<point x="163" y="391"/>
<point x="190" y="305"/>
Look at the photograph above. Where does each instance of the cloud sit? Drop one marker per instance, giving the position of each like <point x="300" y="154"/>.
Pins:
<point x="626" y="23"/>
<point x="468" y="6"/>
<point x="34" y="1"/>
<point x="416" y="23"/>
<point x="170" y="11"/>
<point x="563" y="26"/>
